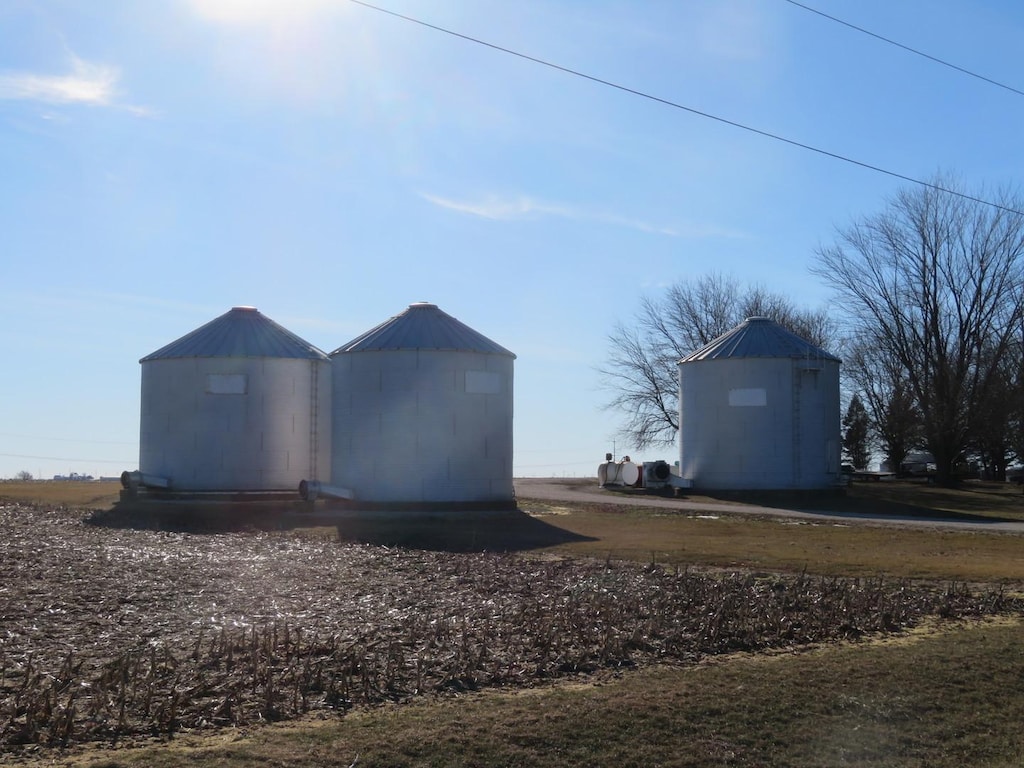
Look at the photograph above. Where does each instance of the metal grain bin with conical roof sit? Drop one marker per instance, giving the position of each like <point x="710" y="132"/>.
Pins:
<point x="239" y="404"/>
<point x="423" y="413"/>
<point x="759" y="409"/>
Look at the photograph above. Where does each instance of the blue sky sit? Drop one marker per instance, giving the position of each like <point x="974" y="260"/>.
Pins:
<point x="163" y="161"/>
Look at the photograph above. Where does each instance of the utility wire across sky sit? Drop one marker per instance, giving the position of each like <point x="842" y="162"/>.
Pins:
<point x="907" y="48"/>
<point x="64" y="458"/>
<point x="691" y="110"/>
<point x="70" y="439"/>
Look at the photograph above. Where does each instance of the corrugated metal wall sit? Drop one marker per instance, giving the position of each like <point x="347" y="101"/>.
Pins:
<point x="241" y="424"/>
<point x="759" y="423"/>
<point x="423" y="425"/>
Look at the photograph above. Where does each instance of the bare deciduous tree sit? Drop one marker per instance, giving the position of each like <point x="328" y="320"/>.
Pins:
<point x="881" y="383"/>
<point x="998" y="420"/>
<point x="640" y="370"/>
<point x="936" y="282"/>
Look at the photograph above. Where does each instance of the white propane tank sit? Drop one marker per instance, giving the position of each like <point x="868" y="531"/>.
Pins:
<point x="629" y="473"/>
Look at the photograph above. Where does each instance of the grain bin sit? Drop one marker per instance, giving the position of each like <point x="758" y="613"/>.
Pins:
<point x="759" y="409"/>
<point x="422" y="410"/>
<point x="239" y="404"/>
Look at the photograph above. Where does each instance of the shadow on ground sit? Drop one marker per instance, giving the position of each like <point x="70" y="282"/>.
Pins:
<point x="502" y="531"/>
<point x="511" y="531"/>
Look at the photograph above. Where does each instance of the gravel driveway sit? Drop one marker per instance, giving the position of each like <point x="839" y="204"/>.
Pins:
<point x="575" y="489"/>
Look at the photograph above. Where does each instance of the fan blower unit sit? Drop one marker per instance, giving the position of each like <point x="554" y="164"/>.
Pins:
<point x="656" y="474"/>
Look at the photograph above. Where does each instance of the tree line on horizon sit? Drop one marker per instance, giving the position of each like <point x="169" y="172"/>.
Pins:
<point x="927" y="317"/>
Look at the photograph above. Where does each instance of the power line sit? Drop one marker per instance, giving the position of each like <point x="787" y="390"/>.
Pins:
<point x="914" y="51"/>
<point x="691" y="110"/>
<point x="69" y="439"/>
<point x="556" y="464"/>
<point x="60" y="458"/>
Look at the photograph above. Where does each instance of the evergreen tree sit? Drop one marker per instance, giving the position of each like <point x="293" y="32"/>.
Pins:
<point x="856" y="427"/>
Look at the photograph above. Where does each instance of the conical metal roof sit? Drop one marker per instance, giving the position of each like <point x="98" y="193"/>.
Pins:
<point x="240" y="332"/>
<point x="759" y="337"/>
<point x="423" y="326"/>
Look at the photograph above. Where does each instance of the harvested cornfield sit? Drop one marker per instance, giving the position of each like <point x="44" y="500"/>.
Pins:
<point x="118" y="633"/>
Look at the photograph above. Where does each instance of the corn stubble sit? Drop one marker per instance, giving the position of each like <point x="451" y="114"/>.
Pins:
<point x="112" y="634"/>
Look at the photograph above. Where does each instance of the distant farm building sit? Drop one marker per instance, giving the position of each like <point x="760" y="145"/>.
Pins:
<point x="759" y="409"/>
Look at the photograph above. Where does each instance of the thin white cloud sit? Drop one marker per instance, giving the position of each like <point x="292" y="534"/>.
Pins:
<point x="501" y="210"/>
<point x="87" y="83"/>
<point x="498" y="209"/>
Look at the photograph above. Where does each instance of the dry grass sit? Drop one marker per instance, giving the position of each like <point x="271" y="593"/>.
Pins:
<point x="971" y="498"/>
<point x="90" y="495"/>
<point x="943" y="699"/>
<point x="779" y="544"/>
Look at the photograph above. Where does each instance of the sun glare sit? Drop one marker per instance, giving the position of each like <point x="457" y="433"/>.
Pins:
<point x="259" y="11"/>
<point x="281" y="47"/>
